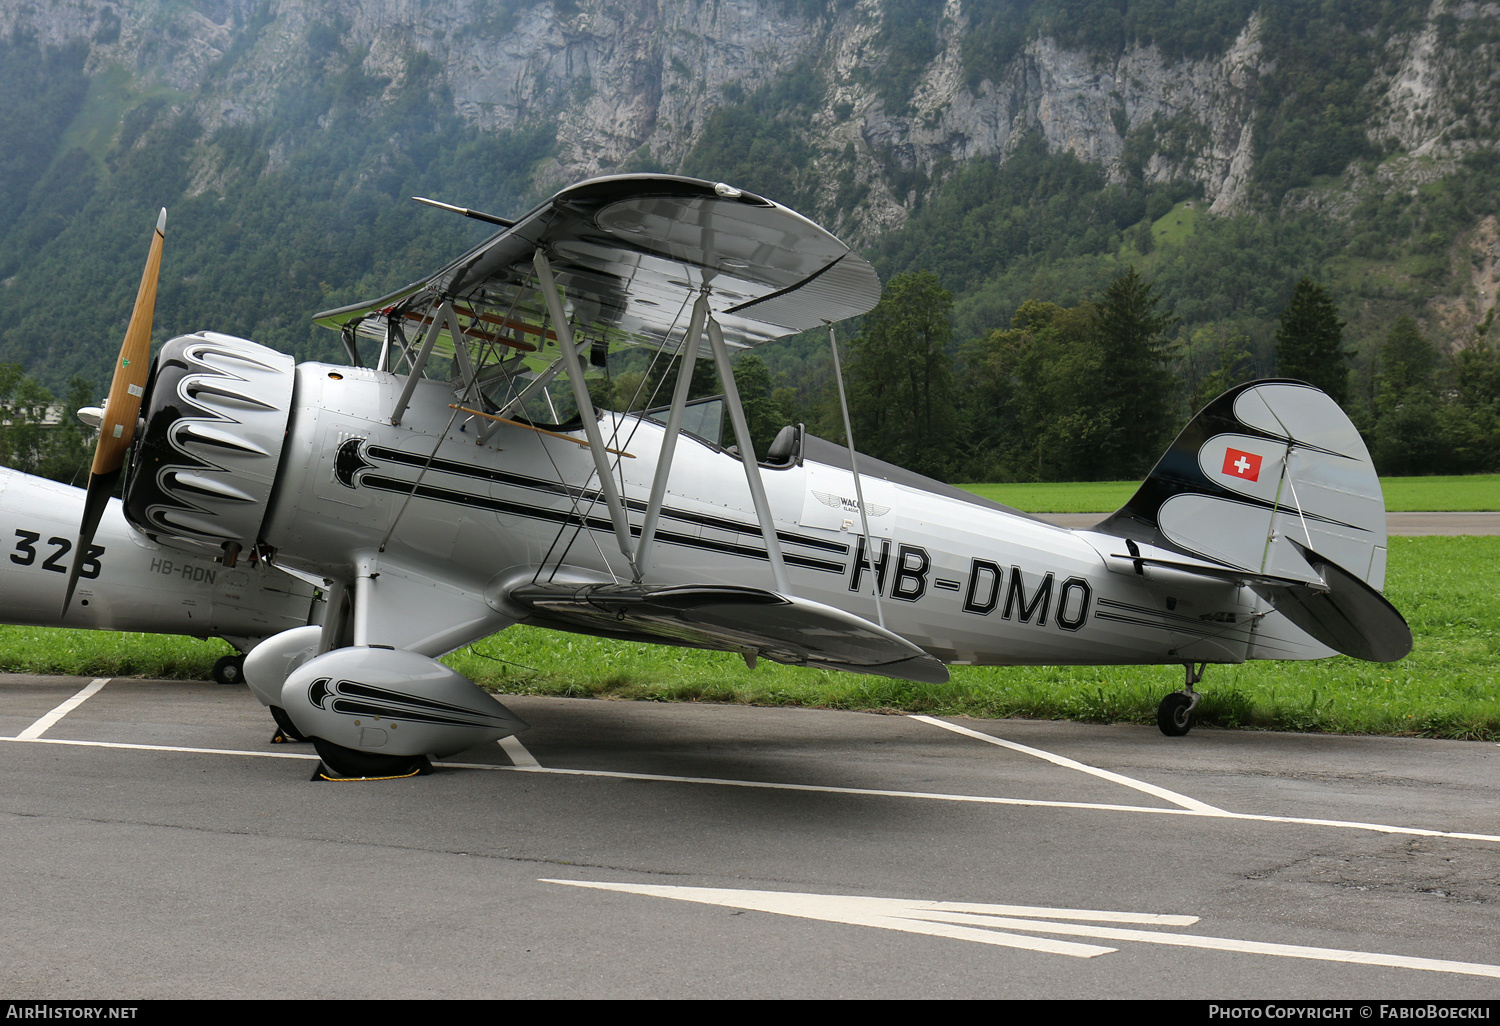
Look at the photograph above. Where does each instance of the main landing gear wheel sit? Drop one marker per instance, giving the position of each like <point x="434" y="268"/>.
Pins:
<point x="230" y="670"/>
<point x="1175" y="714"/>
<point x="347" y="764"/>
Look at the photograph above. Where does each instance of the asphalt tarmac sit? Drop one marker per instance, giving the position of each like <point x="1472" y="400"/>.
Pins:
<point x="154" y="844"/>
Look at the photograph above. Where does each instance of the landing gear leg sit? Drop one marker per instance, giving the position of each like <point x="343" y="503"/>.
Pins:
<point x="1175" y="714"/>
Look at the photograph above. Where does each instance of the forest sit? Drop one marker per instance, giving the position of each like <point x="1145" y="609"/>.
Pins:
<point x="1096" y="390"/>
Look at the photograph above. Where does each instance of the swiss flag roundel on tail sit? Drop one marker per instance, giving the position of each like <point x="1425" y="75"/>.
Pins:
<point x="1242" y="465"/>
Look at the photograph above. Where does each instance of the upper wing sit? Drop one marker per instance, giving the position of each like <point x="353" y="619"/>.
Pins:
<point x="783" y="629"/>
<point x="631" y="252"/>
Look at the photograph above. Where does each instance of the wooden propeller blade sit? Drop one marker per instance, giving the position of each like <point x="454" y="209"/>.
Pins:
<point x="122" y="409"/>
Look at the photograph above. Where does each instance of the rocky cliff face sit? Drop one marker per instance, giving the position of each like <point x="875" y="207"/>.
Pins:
<point x="627" y="80"/>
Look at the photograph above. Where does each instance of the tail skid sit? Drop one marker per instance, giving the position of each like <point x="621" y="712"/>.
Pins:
<point x="1271" y="485"/>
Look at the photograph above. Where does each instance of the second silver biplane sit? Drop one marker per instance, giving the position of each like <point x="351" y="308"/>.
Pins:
<point x="449" y="486"/>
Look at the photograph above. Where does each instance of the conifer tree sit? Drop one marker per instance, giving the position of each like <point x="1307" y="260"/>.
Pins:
<point x="1309" y="341"/>
<point x="1408" y="435"/>
<point x="1135" y="391"/>
<point x="901" y="375"/>
<point x="764" y="415"/>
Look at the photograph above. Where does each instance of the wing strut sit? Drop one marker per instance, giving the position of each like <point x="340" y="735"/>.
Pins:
<point x="538" y="383"/>
<point x="433" y="329"/>
<point x="859" y="494"/>
<point x="468" y="376"/>
<point x="747" y="457"/>
<point x="689" y="361"/>
<point x="564" y="332"/>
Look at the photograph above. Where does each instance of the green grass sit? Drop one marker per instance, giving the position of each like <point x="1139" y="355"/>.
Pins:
<point x="1474" y="492"/>
<point x="1059" y="497"/>
<point x="1174" y="227"/>
<point x="107" y="653"/>
<point x="1471" y="493"/>
<point x="111" y="94"/>
<point x="1448" y="588"/>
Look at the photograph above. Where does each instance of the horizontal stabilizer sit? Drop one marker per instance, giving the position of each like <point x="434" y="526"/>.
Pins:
<point x="1332" y="605"/>
<point x="1346" y="614"/>
<point x="732" y="619"/>
<point x="1218" y="573"/>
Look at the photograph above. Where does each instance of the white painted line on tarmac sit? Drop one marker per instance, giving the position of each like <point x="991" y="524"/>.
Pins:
<point x="1037" y="803"/>
<point x="976" y="922"/>
<point x="830" y="789"/>
<point x="159" y="748"/>
<point x="1058" y="760"/>
<point x="823" y="788"/>
<point x="1201" y="808"/>
<point x="518" y="753"/>
<point x="41" y="726"/>
<point x="854" y="910"/>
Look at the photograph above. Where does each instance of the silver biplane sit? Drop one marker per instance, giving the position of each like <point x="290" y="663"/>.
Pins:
<point x="449" y="486"/>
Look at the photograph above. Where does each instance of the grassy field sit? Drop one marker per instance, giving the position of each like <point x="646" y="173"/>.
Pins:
<point x="1475" y="492"/>
<point x="1448" y="588"/>
<point x="1472" y="493"/>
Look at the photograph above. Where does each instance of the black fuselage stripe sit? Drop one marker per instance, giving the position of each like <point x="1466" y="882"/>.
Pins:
<point x="411" y="459"/>
<point x="1200" y="634"/>
<point x="558" y="516"/>
<point x="1189" y="621"/>
<point x="1158" y="624"/>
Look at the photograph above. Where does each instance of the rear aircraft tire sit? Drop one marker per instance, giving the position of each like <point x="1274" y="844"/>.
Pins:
<point x="1175" y="714"/>
<point x="346" y="762"/>
<point x="230" y="670"/>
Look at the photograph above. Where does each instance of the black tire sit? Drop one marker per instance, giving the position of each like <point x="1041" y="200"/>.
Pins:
<point x="230" y="670"/>
<point x="346" y="762"/>
<point x="1174" y="716"/>
<point x="288" y="728"/>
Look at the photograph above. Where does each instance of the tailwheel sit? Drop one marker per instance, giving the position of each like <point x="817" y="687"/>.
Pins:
<point x="230" y="670"/>
<point x="340" y="763"/>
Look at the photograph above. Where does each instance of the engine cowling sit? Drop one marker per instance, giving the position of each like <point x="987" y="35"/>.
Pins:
<point x="215" y="416"/>
<point x="271" y="662"/>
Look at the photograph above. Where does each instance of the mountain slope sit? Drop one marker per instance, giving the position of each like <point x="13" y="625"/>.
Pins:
<point x="1022" y="150"/>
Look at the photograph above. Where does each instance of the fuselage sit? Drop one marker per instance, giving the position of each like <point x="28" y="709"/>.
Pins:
<point x="128" y="582"/>
<point x="967" y="582"/>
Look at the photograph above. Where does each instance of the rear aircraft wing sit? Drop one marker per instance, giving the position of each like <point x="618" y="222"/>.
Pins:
<point x="631" y="253"/>
<point x="732" y="619"/>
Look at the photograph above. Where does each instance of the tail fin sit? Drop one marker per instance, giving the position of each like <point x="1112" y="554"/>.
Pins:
<point x="1271" y="480"/>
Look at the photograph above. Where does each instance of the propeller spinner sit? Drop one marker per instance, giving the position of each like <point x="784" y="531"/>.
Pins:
<point x="122" y="409"/>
